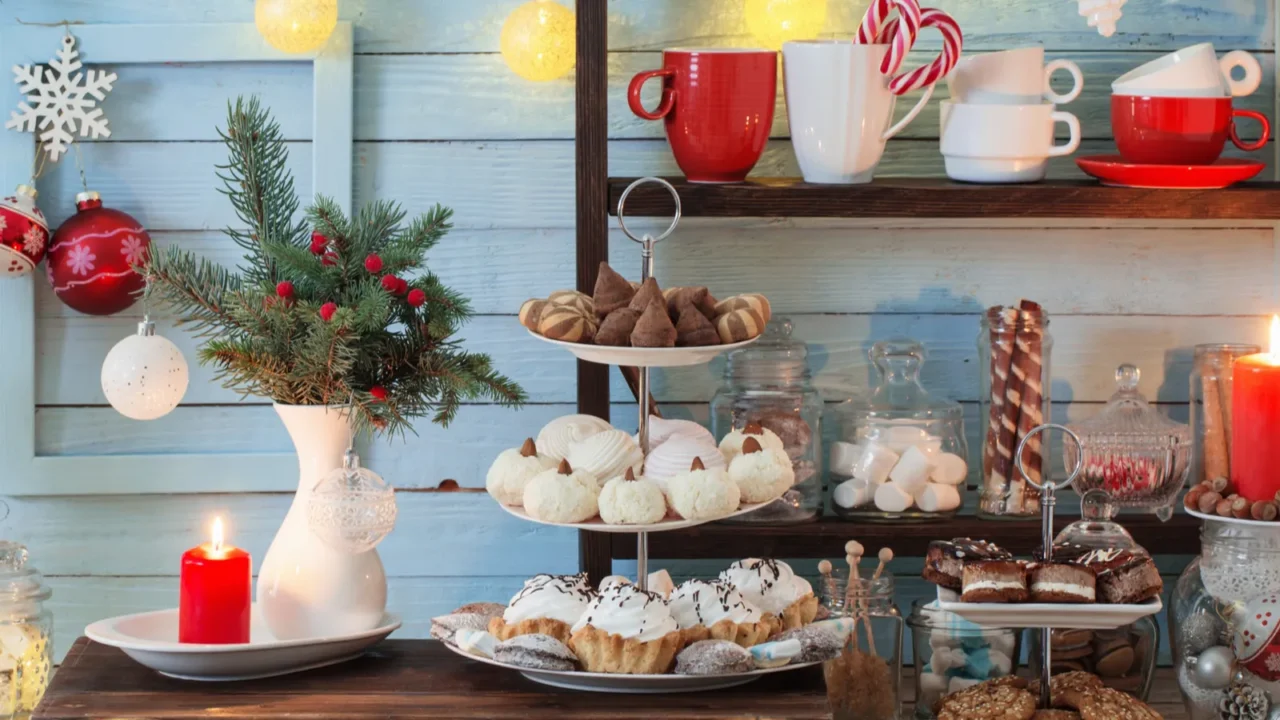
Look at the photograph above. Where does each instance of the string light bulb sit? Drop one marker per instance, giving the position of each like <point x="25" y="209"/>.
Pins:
<point x="538" y="40"/>
<point x="774" y="22"/>
<point x="296" y="26"/>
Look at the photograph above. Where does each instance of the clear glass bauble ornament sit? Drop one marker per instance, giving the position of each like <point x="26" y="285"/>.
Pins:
<point x="352" y="509"/>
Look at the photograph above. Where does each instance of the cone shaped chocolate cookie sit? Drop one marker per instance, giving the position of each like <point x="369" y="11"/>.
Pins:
<point x="648" y="292"/>
<point x="616" y="329"/>
<point x="612" y="291"/>
<point x="654" y="328"/>
<point x="694" y="329"/>
<point x="699" y="297"/>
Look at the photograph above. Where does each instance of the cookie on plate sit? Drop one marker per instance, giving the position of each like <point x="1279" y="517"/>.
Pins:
<point x="988" y="701"/>
<point x="1107" y="704"/>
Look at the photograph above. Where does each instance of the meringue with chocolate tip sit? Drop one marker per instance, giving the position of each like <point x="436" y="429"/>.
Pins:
<point x="762" y="474"/>
<point x="631" y="500"/>
<point x="512" y="470"/>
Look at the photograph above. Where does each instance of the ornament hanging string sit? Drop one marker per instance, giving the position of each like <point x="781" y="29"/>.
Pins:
<point x="84" y="183"/>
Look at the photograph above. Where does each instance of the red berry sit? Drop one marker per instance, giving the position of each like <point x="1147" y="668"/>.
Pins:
<point x="327" y="310"/>
<point x="285" y="289"/>
<point x="318" y="243"/>
<point x="378" y="392"/>
<point x="417" y="297"/>
<point x="391" y="284"/>
<point x="373" y="264"/>
<point x="329" y="259"/>
<point x="402" y="287"/>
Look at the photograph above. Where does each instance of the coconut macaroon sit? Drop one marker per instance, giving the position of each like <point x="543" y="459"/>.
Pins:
<point x="731" y="444"/>
<point x="761" y="474"/>
<point x="703" y="494"/>
<point x="562" y="495"/>
<point x="629" y="500"/>
<point x="512" y="470"/>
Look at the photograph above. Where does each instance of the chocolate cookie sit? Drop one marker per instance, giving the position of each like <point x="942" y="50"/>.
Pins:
<point x="988" y="702"/>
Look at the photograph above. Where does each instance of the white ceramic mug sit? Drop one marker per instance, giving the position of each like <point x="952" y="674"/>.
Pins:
<point x="1011" y="77"/>
<point x="840" y="109"/>
<point x="1195" y="71"/>
<point x="1003" y="143"/>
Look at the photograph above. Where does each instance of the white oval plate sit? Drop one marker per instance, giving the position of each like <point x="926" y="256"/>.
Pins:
<point x="599" y="525"/>
<point x="1097" y="616"/>
<point x="151" y="638"/>
<point x="1273" y="524"/>
<point x="644" y="357"/>
<point x="642" y="684"/>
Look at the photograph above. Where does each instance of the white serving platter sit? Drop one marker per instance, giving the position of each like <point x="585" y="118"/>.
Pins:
<point x="1096" y="616"/>
<point x="598" y="525"/>
<point x="640" y="684"/>
<point x="1273" y="524"/>
<point x="151" y="638"/>
<point x="644" y="357"/>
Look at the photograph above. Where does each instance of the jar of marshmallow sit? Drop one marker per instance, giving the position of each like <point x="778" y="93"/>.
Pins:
<point x="901" y="452"/>
<point x="951" y="654"/>
<point x="769" y="384"/>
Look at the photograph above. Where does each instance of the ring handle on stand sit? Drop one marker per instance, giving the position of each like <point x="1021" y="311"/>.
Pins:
<point x="622" y="202"/>
<point x="1075" y="472"/>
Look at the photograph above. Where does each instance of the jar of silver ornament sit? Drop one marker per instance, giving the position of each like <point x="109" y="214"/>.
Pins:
<point x="26" y="633"/>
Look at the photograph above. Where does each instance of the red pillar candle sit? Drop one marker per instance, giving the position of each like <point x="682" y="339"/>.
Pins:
<point x="1255" y="422"/>
<point x="213" y="606"/>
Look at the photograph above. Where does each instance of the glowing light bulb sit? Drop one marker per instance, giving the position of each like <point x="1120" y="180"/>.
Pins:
<point x="217" y="534"/>
<point x="296" y="26"/>
<point x="774" y="22"/>
<point x="538" y="40"/>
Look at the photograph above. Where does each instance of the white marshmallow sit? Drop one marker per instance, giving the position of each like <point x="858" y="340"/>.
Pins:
<point x="947" y="595"/>
<point x="938" y="498"/>
<point x="912" y="470"/>
<point x="931" y="446"/>
<point x="890" y="497"/>
<point x="875" y="463"/>
<point x="1001" y="665"/>
<point x="901" y="437"/>
<point x="949" y="469"/>
<point x="961" y="683"/>
<point x="851" y="494"/>
<point x="932" y="687"/>
<point x="946" y="658"/>
<point x="1002" y="641"/>
<point x="844" y="456"/>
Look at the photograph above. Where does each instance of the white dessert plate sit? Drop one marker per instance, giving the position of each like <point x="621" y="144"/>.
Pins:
<point x="1097" y="616"/>
<point x="644" y="357"/>
<point x="151" y="638"/>
<point x="599" y="525"/>
<point x="1273" y="524"/>
<point x="641" y="684"/>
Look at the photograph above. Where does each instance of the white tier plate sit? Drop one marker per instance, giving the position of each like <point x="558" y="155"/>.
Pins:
<point x="1097" y="616"/>
<point x="644" y="357"/>
<point x="1273" y="524"/>
<point x="599" y="525"/>
<point x="641" y="684"/>
<point x="151" y="638"/>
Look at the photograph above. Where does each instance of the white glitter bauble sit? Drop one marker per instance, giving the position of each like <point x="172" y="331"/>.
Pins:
<point x="1199" y="632"/>
<point x="145" y="375"/>
<point x="352" y="509"/>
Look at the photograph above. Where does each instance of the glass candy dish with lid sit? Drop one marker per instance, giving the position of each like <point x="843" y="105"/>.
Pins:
<point x="1140" y="457"/>
<point x="901" y="451"/>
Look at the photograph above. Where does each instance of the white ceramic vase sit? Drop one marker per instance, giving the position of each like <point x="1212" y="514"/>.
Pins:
<point x="306" y="588"/>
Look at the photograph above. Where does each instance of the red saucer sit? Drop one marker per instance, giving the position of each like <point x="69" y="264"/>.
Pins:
<point x="1113" y="170"/>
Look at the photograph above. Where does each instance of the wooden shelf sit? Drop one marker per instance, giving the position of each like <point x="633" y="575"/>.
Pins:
<point x="826" y="537"/>
<point x="940" y="198"/>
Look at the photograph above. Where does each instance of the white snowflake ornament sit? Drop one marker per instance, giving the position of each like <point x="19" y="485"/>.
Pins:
<point x="1102" y="14"/>
<point x="59" y="96"/>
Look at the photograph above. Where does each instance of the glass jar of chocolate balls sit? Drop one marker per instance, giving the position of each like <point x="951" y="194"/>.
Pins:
<point x="769" y="383"/>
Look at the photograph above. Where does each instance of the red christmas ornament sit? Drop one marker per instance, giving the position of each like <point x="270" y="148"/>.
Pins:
<point x="91" y="258"/>
<point x="23" y="232"/>
<point x="284" y="289"/>
<point x="417" y="297"/>
<point x="378" y="392"/>
<point x="327" y="310"/>
<point x="373" y="264"/>
<point x="319" y="243"/>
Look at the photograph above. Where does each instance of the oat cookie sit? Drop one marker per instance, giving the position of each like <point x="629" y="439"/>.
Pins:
<point x="1068" y="689"/>
<point x="1056" y="715"/>
<point x="988" y="702"/>
<point x="1107" y="704"/>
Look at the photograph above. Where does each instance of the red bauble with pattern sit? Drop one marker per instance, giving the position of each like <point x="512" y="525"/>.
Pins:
<point x="91" y="258"/>
<point x="24" y="234"/>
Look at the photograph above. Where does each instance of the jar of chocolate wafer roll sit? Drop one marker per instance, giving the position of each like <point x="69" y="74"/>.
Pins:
<point x="1014" y="348"/>
<point x="1211" y="387"/>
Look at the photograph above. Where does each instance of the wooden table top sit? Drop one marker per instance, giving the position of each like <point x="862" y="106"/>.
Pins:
<point x="420" y="679"/>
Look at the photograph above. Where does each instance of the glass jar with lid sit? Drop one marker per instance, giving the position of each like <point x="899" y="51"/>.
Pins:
<point x="1140" y="457"/>
<point x="900" y="453"/>
<point x="26" y="633"/>
<point x="951" y="654"/>
<point x="1211" y="387"/>
<point x="864" y="681"/>
<point x="768" y="382"/>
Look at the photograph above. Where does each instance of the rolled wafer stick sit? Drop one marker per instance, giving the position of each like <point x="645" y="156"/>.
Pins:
<point x="1002" y="475"/>
<point x="1216" y="457"/>
<point x="1029" y="341"/>
<point x="1001" y="359"/>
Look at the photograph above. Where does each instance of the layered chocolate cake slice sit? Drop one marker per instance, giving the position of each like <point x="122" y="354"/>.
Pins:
<point x="1124" y="577"/>
<point x="1060" y="582"/>
<point x="945" y="561"/>
<point x="994" y="581"/>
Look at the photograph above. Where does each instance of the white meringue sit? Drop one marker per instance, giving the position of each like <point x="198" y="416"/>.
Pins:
<point x="556" y="436"/>
<point x="704" y="494"/>
<point x="629" y="612"/>
<point x="676" y="455"/>
<point x="762" y="475"/>
<point x="664" y="429"/>
<point x="606" y="455"/>
<point x="512" y="470"/>
<point x="559" y="497"/>
<point x="731" y="444"/>
<point x="632" y="501"/>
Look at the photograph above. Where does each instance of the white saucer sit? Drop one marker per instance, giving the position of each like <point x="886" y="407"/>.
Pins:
<point x="151" y="638"/>
<point x="1084" y="616"/>
<point x="1249" y="522"/>
<point x="644" y="357"/>
<point x="639" y="684"/>
<point x="599" y="525"/>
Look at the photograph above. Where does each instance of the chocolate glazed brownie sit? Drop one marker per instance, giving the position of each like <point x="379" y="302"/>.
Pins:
<point x="944" y="563"/>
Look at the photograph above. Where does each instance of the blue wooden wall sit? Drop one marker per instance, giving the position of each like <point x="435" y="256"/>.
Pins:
<point x="440" y="118"/>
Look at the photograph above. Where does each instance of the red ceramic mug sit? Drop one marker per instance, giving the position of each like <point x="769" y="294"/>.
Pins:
<point x="1178" y="130"/>
<point x="717" y="106"/>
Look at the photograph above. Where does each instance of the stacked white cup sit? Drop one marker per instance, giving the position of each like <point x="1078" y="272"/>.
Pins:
<point x="998" y="127"/>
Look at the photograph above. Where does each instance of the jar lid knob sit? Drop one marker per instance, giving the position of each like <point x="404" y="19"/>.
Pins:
<point x="1127" y="377"/>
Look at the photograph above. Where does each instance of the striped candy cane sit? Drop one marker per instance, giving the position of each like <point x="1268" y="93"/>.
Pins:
<point x="952" y="44"/>
<point x="899" y="33"/>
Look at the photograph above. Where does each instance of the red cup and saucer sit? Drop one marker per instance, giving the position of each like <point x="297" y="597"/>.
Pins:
<point x="1176" y="142"/>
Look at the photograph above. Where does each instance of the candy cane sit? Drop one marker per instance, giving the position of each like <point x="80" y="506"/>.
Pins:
<point x="899" y="33"/>
<point x="952" y="44"/>
<point x="872" y="21"/>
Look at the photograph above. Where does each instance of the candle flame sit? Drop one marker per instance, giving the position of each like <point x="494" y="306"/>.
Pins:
<point x="1275" y="338"/>
<point x="217" y="534"/>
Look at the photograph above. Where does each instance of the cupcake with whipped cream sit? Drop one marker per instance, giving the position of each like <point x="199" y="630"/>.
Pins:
<point x="606" y="455"/>
<point x="731" y="444"/>
<point x="512" y="470"/>
<point x="773" y="586"/>
<point x="547" y="605"/>
<point x="714" y="609"/>
<point x="631" y="500"/>
<point x="762" y="474"/>
<point x="626" y="630"/>
<point x="556" y="436"/>
<point x="562" y="495"/>
<point x="703" y="493"/>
